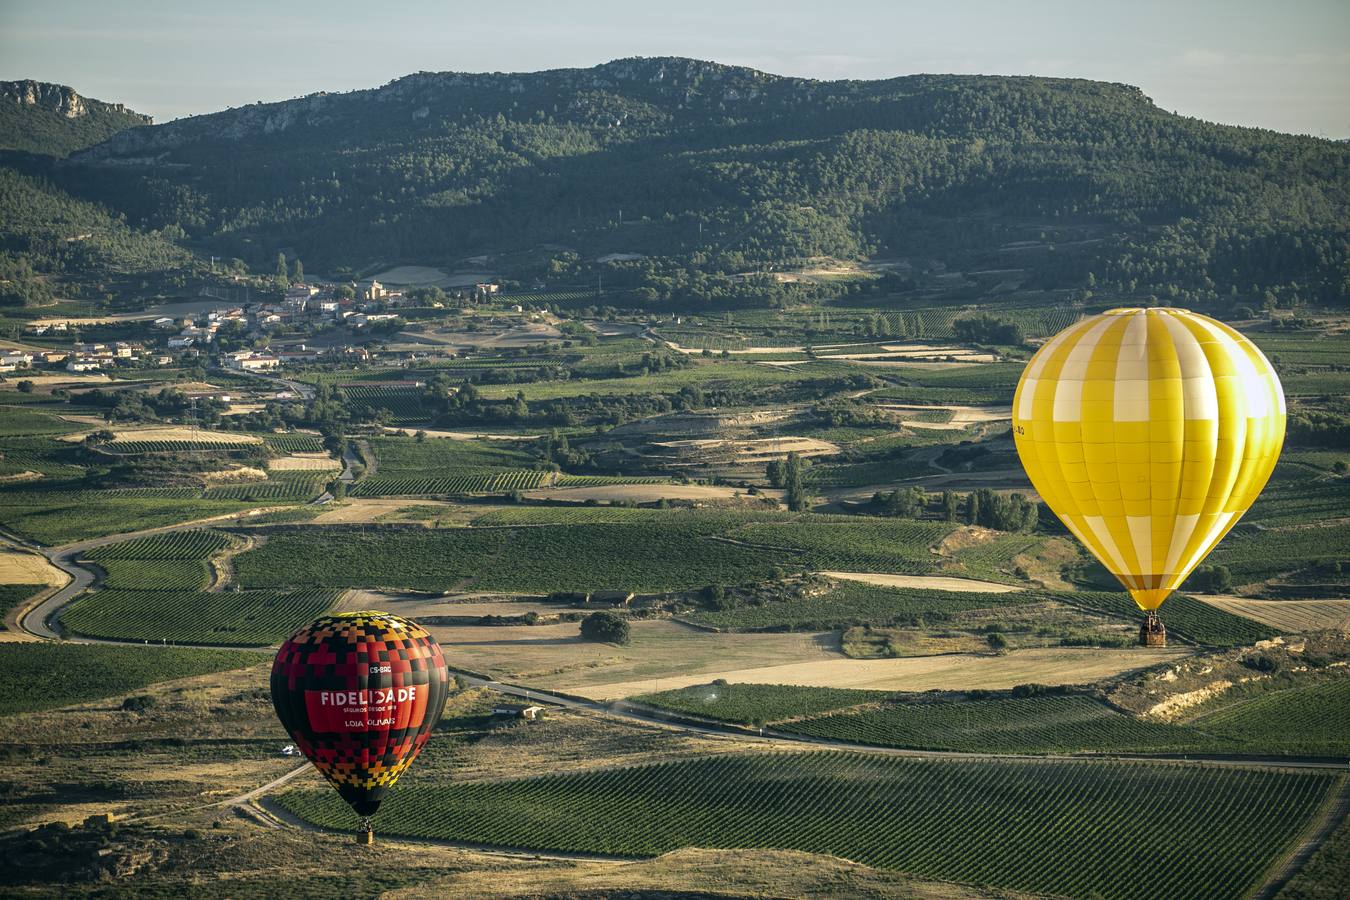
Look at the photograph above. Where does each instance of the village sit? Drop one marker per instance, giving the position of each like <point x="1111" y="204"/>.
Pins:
<point x="364" y="308"/>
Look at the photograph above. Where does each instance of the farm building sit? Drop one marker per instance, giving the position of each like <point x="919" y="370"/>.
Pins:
<point x="517" y="711"/>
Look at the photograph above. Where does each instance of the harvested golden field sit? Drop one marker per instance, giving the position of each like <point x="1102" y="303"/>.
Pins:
<point x="931" y="582"/>
<point x="304" y="462"/>
<point x="355" y="512"/>
<point x="955" y="672"/>
<point x="173" y="433"/>
<point x="645" y="493"/>
<point x="1287" y="615"/>
<point x="661" y="651"/>
<point x="19" y="567"/>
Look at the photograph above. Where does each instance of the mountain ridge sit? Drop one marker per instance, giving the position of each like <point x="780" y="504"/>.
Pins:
<point x="54" y="119"/>
<point x="711" y="171"/>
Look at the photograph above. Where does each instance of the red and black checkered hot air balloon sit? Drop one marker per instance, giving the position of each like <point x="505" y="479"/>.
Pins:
<point x="359" y="693"/>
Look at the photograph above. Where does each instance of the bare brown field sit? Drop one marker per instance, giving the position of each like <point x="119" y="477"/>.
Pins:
<point x="955" y="672"/>
<point x="1286" y="615"/>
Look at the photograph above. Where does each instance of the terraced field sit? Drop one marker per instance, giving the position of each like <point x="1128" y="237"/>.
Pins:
<point x="1068" y="828"/>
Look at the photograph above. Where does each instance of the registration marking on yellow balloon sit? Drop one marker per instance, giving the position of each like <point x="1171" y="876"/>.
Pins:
<point x="1149" y="432"/>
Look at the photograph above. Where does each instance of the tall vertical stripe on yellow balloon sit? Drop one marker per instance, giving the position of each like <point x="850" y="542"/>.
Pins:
<point x="1149" y="432"/>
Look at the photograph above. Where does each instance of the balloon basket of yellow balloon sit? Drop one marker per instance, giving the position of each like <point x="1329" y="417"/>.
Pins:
<point x="365" y="832"/>
<point x="1151" y="631"/>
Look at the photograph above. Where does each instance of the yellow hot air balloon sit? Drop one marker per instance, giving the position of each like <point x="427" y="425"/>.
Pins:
<point x="1149" y="432"/>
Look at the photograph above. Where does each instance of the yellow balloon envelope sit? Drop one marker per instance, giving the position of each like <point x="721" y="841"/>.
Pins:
<point x="1149" y="432"/>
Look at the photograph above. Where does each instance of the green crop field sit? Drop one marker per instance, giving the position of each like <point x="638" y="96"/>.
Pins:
<point x="55" y="517"/>
<point x="129" y="448"/>
<point x="176" y="561"/>
<point x="1184" y="617"/>
<point x="1006" y="725"/>
<point x="1309" y="719"/>
<point x="47" y="456"/>
<point x="1109" y="829"/>
<point x="194" y="543"/>
<point x="12" y="595"/>
<point x="436" y="466"/>
<point x="234" y="618"/>
<point x="1254" y="556"/>
<point x="16" y="420"/>
<point x="293" y="487"/>
<point x="81" y="673"/>
<point x="409" y="456"/>
<point x="854" y="544"/>
<point x="405" y="403"/>
<point x="294" y="443"/>
<point x="854" y="603"/>
<point x="705" y="375"/>
<point x="661" y="556"/>
<point x="747" y="704"/>
<point x="381" y="485"/>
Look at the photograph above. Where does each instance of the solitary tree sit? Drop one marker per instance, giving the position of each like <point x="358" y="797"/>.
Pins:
<point x="607" y="627"/>
<point x="793" y="483"/>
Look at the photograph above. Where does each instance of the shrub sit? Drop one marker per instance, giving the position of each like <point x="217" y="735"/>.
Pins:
<point x="607" y="627"/>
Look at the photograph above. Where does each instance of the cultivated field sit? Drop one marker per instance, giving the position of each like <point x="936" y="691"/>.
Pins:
<point x="925" y="673"/>
<point x="1286" y="615"/>
<point x="884" y="812"/>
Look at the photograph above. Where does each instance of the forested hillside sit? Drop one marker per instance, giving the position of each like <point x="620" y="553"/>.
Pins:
<point x="726" y="169"/>
<point x="53" y="120"/>
<point x="43" y="230"/>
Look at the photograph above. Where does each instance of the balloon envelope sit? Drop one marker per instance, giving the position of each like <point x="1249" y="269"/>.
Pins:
<point x="359" y="693"/>
<point x="1149" y="432"/>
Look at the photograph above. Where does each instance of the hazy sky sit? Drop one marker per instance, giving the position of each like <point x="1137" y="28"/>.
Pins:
<point x="1282" y="65"/>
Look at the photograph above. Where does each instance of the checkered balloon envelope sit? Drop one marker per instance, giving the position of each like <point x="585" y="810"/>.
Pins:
<point x="359" y="694"/>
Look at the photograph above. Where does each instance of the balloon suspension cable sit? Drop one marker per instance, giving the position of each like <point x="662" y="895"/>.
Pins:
<point x="1151" y="630"/>
<point x="365" y="832"/>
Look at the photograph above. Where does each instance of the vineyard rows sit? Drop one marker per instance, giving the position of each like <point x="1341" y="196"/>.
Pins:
<point x="853" y="603"/>
<point x="1183" y="616"/>
<point x="79" y="673"/>
<point x="234" y="618"/>
<point x="274" y="489"/>
<point x="492" y="482"/>
<point x="128" y="448"/>
<point x="606" y="480"/>
<point x="748" y="704"/>
<point x="1111" y="829"/>
<point x="1005" y="725"/>
<point x="295" y="443"/>
<point x="197" y="543"/>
